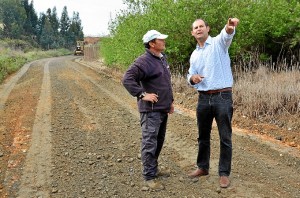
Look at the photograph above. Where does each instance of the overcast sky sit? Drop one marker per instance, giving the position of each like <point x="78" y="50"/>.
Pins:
<point x="94" y="14"/>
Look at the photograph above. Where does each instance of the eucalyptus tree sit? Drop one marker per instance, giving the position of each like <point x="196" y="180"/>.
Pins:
<point x="46" y="33"/>
<point x="47" y="36"/>
<point x="30" y="25"/>
<point x="76" y="26"/>
<point x="74" y="31"/>
<point x="13" y="17"/>
<point x="64" y="26"/>
<point x="54" y="23"/>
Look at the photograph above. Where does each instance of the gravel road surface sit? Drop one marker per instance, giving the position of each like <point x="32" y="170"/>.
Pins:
<point x="69" y="129"/>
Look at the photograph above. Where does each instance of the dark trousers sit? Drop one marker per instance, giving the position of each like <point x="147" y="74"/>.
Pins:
<point x="154" y="126"/>
<point x="218" y="106"/>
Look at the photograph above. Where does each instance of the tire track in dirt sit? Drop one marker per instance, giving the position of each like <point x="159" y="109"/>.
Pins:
<point x="258" y="171"/>
<point x="8" y="87"/>
<point x="36" y="176"/>
<point x="177" y="145"/>
<point x="251" y="166"/>
<point x="172" y="140"/>
<point x="110" y="94"/>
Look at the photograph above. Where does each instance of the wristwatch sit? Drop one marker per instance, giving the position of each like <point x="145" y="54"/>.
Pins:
<point x="143" y="94"/>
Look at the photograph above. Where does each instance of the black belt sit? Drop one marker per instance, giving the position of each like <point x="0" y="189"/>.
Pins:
<point x="216" y="91"/>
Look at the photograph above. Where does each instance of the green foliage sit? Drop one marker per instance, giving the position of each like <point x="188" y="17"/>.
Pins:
<point x="11" y="60"/>
<point x="263" y="28"/>
<point x="64" y="23"/>
<point x="13" y="16"/>
<point x="16" y="44"/>
<point x="10" y="64"/>
<point x="75" y="30"/>
<point x="47" y="37"/>
<point x="31" y="18"/>
<point x="20" y="21"/>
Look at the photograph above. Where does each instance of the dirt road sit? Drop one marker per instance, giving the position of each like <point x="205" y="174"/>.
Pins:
<point x="71" y="130"/>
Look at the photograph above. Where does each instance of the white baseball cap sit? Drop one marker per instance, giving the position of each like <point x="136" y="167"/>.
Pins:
<point x="153" y="34"/>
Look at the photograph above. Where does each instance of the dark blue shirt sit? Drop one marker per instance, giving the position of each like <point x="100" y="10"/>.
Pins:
<point x="150" y="73"/>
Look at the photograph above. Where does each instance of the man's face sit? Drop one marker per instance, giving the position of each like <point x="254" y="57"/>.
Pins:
<point x="158" y="45"/>
<point x="200" y="30"/>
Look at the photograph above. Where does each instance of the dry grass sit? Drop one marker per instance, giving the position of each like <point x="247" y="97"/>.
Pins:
<point x="275" y="92"/>
<point x="262" y="95"/>
<point x="269" y="96"/>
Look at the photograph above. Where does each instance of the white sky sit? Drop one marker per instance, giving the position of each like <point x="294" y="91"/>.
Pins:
<point x="94" y="14"/>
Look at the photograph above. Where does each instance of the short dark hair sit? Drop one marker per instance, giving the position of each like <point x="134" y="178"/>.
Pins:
<point x="147" y="44"/>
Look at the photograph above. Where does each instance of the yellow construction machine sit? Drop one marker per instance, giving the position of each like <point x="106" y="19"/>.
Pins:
<point x="79" y="48"/>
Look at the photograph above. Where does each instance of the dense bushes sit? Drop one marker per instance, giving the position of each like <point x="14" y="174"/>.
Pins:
<point x="272" y="32"/>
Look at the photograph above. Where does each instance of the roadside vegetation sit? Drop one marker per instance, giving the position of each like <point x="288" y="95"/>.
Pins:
<point x="265" y="52"/>
<point x="11" y="60"/>
<point x="25" y="36"/>
<point x="19" y="20"/>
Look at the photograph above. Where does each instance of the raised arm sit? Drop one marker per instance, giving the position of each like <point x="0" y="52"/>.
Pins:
<point x="231" y="24"/>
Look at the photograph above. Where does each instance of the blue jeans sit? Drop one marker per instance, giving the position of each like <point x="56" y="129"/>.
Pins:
<point x="154" y="125"/>
<point x="220" y="107"/>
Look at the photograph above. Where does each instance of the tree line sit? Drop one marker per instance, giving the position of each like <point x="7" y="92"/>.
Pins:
<point x="268" y="30"/>
<point x="19" y="21"/>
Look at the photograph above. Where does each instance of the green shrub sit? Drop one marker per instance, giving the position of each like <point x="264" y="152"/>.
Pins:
<point x="273" y="32"/>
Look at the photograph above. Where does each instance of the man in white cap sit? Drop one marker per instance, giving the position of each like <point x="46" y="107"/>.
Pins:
<point x="149" y="79"/>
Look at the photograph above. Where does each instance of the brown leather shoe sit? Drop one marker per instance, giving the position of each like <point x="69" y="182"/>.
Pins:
<point x="224" y="181"/>
<point x="154" y="184"/>
<point x="198" y="172"/>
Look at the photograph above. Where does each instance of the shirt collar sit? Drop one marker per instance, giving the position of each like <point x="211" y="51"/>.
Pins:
<point x="207" y="42"/>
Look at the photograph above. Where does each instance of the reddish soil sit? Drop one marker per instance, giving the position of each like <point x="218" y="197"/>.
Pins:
<point x="69" y="129"/>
